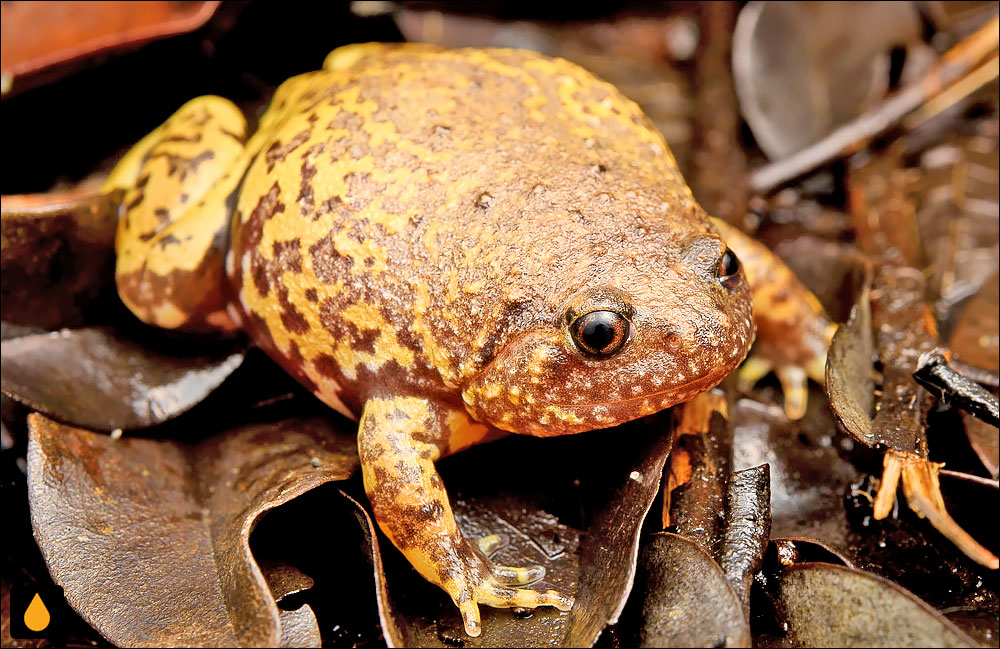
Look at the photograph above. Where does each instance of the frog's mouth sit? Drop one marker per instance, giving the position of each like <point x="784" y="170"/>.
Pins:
<point x="683" y="392"/>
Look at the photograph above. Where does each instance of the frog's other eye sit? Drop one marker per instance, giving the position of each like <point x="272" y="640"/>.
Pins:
<point x="600" y="333"/>
<point x="728" y="271"/>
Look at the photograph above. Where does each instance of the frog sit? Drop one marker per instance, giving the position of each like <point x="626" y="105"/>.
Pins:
<point x="448" y="246"/>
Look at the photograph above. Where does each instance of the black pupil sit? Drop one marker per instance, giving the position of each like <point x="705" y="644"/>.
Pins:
<point x="597" y="333"/>
<point x="730" y="264"/>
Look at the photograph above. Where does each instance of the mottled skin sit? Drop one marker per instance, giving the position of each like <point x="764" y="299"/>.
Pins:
<point x="412" y="233"/>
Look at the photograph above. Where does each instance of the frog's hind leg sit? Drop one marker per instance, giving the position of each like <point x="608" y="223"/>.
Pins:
<point x="793" y="330"/>
<point x="399" y="440"/>
<point x="175" y="215"/>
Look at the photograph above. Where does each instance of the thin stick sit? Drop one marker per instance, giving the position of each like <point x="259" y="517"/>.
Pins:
<point x="958" y="475"/>
<point x="952" y="66"/>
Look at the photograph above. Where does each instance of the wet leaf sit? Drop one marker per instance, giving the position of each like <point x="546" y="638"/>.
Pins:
<point x="57" y="256"/>
<point x="676" y="580"/>
<point x="791" y="89"/>
<point x="746" y="529"/>
<point x="850" y="387"/>
<point x="583" y="526"/>
<point x="976" y="337"/>
<point x="100" y="379"/>
<point x="828" y="605"/>
<point x="936" y="376"/>
<point x="149" y="538"/>
<point x="698" y="469"/>
<point x="958" y="186"/>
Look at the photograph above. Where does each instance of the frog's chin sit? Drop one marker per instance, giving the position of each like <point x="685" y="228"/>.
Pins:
<point x="567" y="419"/>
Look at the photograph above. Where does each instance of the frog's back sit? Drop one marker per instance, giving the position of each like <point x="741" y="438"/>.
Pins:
<point x="415" y="210"/>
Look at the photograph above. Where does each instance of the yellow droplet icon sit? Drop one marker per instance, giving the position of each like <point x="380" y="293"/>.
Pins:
<point x="36" y="616"/>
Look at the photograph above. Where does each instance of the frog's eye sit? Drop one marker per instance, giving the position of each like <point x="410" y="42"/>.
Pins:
<point x="600" y="333"/>
<point x="728" y="271"/>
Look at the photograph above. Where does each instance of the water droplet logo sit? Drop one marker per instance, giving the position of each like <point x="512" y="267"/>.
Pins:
<point x="36" y="616"/>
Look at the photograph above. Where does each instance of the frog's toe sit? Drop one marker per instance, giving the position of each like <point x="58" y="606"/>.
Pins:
<point x="491" y="543"/>
<point x="794" y="384"/>
<point x="497" y="596"/>
<point x="753" y="369"/>
<point x="510" y="576"/>
<point x="793" y="378"/>
<point x="470" y="617"/>
<point x="506" y="597"/>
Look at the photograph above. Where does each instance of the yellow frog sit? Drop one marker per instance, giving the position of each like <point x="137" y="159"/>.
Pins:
<point x="447" y="246"/>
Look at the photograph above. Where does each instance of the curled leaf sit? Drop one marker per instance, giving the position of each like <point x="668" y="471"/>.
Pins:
<point x="699" y="464"/>
<point x="747" y="528"/>
<point x="99" y="379"/>
<point x="791" y="90"/>
<point x="849" y="384"/>
<point x="149" y="538"/>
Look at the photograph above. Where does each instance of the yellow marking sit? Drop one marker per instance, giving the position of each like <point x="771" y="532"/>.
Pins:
<point x="533" y="103"/>
<point x="564" y="415"/>
<point x="492" y="390"/>
<point x="475" y="287"/>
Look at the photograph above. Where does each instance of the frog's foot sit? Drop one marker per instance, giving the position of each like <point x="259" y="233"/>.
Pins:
<point x="481" y="582"/>
<point x="794" y="378"/>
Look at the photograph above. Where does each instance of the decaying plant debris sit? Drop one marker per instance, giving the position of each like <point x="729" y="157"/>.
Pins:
<point x="179" y="498"/>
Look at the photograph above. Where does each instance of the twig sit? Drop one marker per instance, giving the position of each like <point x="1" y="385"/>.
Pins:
<point x="956" y="92"/>
<point x="977" y="374"/>
<point x="958" y="475"/>
<point x="952" y="66"/>
<point x="934" y="374"/>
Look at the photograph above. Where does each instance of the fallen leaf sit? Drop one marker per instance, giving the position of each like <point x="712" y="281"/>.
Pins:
<point x="699" y="466"/>
<point x="677" y="580"/>
<point x="976" y="340"/>
<point x="793" y="101"/>
<point x="38" y="38"/>
<point x="99" y="378"/>
<point x="828" y="605"/>
<point x="149" y="538"/>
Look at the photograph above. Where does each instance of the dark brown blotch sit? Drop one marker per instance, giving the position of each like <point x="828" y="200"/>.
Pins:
<point x="277" y="152"/>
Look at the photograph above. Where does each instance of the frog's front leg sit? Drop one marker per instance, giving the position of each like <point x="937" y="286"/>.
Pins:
<point x="399" y="440"/>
